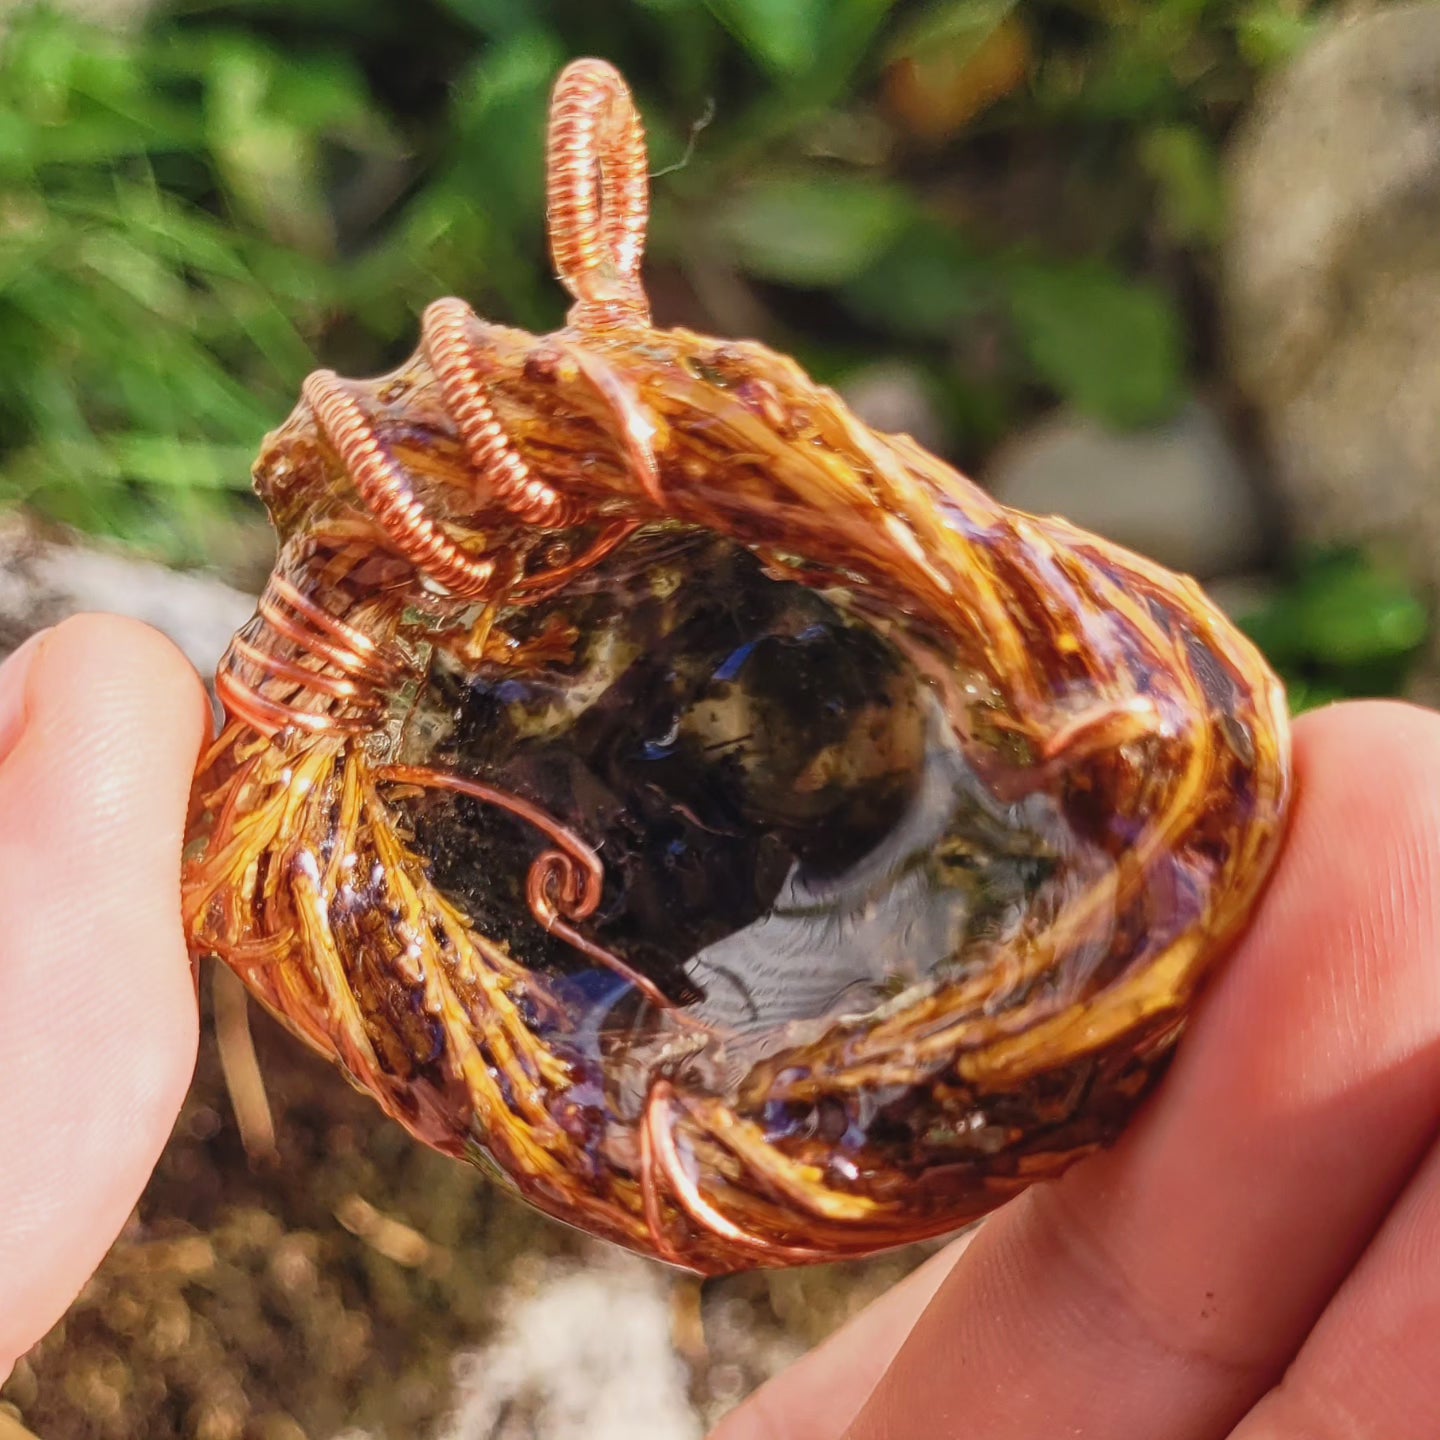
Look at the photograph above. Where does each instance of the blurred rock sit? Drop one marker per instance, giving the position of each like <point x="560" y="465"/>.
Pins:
<point x="41" y="582"/>
<point x="894" y="398"/>
<point x="1333" y="282"/>
<point x="587" y="1355"/>
<point x="1241" y="596"/>
<point x="1177" y="493"/>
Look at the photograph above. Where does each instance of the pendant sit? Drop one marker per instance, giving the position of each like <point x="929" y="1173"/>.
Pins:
<point x="725" y="824"/>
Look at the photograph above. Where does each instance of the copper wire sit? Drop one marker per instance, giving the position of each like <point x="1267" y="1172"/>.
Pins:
<point x="446" y="332"/>
<point x="658" y="1148"/>
<point x="530" y="589"/>
<point x="268" y="717"/>
<point x="597" y="194"/>
<point x="346" y="645"/>
<point x="636" y="429"/>
<point x="563" y="884"/>
<point x="1103" y="727"/>
<point x="650" y="1197"/>
<point x="597" y="198"/>
<point x="386" y="490"/>
<point x="348" y="675"/>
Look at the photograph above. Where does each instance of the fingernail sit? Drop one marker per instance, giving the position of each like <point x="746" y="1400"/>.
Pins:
<point x="14" y="674"/>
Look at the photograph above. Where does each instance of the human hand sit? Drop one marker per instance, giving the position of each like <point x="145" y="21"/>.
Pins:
<point x="1259" y="1256"/>
<point x="1275" y="1207"/>
<point x="100" y="724"/>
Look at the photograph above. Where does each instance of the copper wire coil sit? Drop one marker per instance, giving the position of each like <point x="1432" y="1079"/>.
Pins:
<point x="385" y="488"/>
<point x="350" y="677"/>
<point x="340" y="643"/>
<point x="268" y="717"/>
<point x="597" y="192"/>
<point x="446" y="337"/>
<point x="598" y="205"/>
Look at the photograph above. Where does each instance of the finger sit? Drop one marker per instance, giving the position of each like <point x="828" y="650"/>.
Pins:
<point x="819" y="1395"/>
<point x="1367" y="1370"/>
<point x="97" y="1006"/>
<point x="1160" y="1287"/>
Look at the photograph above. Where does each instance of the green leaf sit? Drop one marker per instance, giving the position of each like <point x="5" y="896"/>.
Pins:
<point x="1111" y="346"/>
<point x="813" y="231"/>
<point x="925" y="286"/>
<point x="1302" y="695"/>
<point x="268" y="115"/>
<point x="1270" y="33"/>
<point x="1346" y="623"/>
<point x="1184" y="164"/>
<point x="498" y="121"/>
<point x="784" y="36"/>
<point x="183" y="464"/>
<point x="494" y="17"/>
<point x="1359" y="613"/>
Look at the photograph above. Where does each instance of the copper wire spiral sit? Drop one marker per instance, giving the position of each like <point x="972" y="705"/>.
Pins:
<point x="565" y="883"/>
<point x="597" y="194"/>
<point x="597" y="200"/>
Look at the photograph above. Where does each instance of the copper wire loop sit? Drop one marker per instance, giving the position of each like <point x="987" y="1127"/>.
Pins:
<point x="350" y="668"/>
<point x="563" y="884"/>
<point x="597" y="194"/>
<point x="386" y="490"/>
<point x="660" y="1159"/>
<point x="446" y="336"/>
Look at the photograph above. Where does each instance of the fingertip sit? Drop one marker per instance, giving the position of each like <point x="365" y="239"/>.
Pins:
<point x="1371" y="749"/>
<point x="99" y="781"/>
<point x="90" y="667"/>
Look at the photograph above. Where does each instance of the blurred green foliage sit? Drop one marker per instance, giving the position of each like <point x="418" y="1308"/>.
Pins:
<point x="1019" y="197"/>
<point x="1344" y="625"/>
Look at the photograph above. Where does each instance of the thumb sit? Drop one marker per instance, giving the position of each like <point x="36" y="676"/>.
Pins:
<point x="100" y="722"/>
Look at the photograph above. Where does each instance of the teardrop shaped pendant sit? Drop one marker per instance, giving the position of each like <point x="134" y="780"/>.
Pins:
<point x="724" y="823"/>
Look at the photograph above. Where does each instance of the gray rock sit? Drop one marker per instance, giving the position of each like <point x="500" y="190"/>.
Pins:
<point x="1177" y="493"/>
<point x="1332" y="282"/>
<point x="42" y="582"/>
<point x="586" y="1355"/>
<point x="894" y="398"/>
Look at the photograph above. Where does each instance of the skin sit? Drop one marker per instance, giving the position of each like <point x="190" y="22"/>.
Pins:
<point x="1259" y="1257"/>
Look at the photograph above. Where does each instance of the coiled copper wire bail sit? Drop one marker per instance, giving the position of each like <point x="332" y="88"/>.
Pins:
<point x="597" y="195"/>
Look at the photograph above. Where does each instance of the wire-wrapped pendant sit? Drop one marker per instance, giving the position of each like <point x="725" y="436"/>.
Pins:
<point x="724" y="822"/>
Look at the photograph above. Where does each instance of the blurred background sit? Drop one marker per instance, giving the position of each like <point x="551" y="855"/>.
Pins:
<point x="1168" y="267"/>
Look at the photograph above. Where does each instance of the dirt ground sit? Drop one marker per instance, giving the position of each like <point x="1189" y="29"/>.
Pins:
<point x="330" y="1292"/>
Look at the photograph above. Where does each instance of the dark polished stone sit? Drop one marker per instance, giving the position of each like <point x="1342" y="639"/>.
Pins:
<point x="788" y="829"/>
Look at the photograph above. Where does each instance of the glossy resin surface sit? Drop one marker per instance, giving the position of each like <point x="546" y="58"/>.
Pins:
<point x="725" y="824"/>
